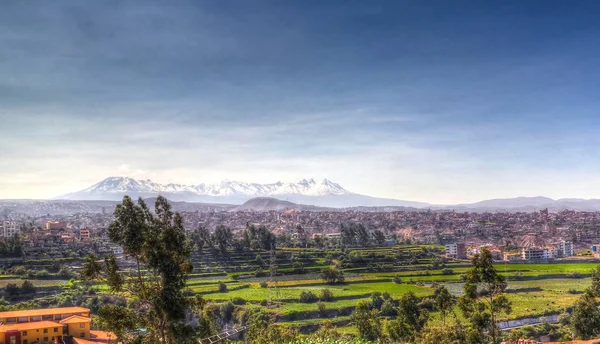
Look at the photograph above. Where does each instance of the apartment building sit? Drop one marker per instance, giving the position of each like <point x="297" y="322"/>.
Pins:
<point x="565" y="248"/>
<point x="532" y="253"/>
<point x="456" y="251"/>
<point x="10" y="229"/>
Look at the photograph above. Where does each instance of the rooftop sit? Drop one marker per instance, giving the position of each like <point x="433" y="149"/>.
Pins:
<point x="29" y="326"/>
<point x="76" y="319"/>
<point x="41" y="312"/>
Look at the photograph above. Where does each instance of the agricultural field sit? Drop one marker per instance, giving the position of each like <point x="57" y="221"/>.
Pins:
<point x="534" y="289"/>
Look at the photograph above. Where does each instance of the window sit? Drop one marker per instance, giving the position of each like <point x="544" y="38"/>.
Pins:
<point x="24" y="333"/>
<point x="45" y="339"/>
<point x="82" y="335"/>
<point x="56" y="329"/>
<point x="45" y="330"/>
<point x="81" y="325"/>
<point x="25" y="341"/>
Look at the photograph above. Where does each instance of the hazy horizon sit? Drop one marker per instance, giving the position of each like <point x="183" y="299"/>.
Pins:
<point x="443" y="102"/>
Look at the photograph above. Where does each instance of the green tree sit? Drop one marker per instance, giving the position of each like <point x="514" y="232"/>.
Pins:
<point x="410" y="320"/>
<point x="586" y="317"/>
<point x="332" y="275"/>
<point x="595" y="286"/>
<point x="444" y="302"/>
<point x="156" y="242"/>
<point x="367" y="321"/>
<point x="223" y="238"/>
<point x="484" y="300"/>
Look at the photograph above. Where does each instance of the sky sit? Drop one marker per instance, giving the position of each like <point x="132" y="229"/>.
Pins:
<point x="436" y="101"/>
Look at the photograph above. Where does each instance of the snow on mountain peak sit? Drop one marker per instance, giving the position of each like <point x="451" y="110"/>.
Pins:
<point x="306" y="187"/>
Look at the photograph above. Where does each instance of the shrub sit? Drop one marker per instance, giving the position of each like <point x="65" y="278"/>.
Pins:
<point x="388" y="309"/>
<point x="259" y="273"/>
<point x="572" y="291"/>
<point x="308" y="297"/>
<point x="327" y="295"/>
<point x="264" y="284"/>
<point x="264" y="303"/>
<point x="447" y="272"/>
<point x="27" y="287"/>
<point x="332" y="275"/>
<point x="397" y="279"/>
<point x="574" y="274"/>
<point x="322" y="309"/>
<point x="226" y="310"/>
<point x="238" y="301"/>
<point x="222" y="287"/>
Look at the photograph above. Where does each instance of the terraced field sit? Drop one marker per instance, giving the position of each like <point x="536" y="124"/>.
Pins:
<point x="534" y="289"/>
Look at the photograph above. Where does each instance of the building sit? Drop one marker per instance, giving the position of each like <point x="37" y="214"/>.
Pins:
<point x="511" y="257"/>
<point x="84" y="234"/>
<point x="55" y="225"/>
<point x="456" y="251"/>
<point x="596" y="250"/>
<point x="565" y="248"/>
<point x="10" y="229"/>
<point x="44" y="325"/>
<point x="532" y="253"/>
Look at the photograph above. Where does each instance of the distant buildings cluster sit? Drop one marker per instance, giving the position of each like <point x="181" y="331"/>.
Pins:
<point x="562" y="249"/>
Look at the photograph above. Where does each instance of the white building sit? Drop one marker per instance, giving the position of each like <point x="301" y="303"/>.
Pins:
<point x="10" y="229"/>
<point x="532" y="253"/>
<point x="456" y="251"/>
<point x="565" y="248"/>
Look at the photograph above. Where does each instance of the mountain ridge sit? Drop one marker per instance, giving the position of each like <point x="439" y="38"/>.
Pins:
<point x="324" y="193"/>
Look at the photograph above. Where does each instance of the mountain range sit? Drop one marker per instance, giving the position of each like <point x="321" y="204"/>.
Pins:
<point x="324" y="193"/>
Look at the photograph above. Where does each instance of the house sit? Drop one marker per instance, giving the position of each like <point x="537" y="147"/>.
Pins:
<point x="44" y="325"/>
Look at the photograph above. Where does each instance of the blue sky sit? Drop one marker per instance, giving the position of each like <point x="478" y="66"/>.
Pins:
<point x="438" y="101"/>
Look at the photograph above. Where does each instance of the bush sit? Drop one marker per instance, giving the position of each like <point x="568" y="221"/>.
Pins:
<point x="397" y="279"/>
<point x="322" y="309"/>
<point x="447" y="272"/>
<point x="27" y="287"/>
<point x="264" y="284"/>
<point x="572" y="291"/>
<point x="264" y="303"/>
<point x="388" y="309"/>
<point x="222" y="287"/>
<point x="332" y="275"/>
<point x="238" y="301"/>
<point x="574" y="274"/>
<point x="327" y="295"/>
<point x="308" y="297"/>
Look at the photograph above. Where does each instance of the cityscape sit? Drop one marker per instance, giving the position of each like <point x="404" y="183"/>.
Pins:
<point x="299" y="172"/>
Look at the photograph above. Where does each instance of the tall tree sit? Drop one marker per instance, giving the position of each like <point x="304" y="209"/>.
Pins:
<point x="586" y="317"/>
<point x="367" y="321"/>
<point x="484" y="300"/>
<point x="410" y="320"/>
<point x="444" y="302"/>
<point x="156" y="242"/>
<point x="223" y="237"/>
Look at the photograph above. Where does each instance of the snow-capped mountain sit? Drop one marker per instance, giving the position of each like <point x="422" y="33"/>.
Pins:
<point x="305" y="191"/>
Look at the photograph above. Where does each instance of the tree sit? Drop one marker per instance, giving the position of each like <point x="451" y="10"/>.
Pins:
<point x="595" y="286"/>
<point x="444" y="302"/>
<point x="27" y="287"/>
<point x="378" y="237"/>
<point x="484" y="300"/>
<point x="156" y="242"/>
<point x="223" y="238"/>
<point x="332" y="275"/>
<point x="367" y="321"/>
<point x="410" y="320"/>
<point x="586" y="317"/>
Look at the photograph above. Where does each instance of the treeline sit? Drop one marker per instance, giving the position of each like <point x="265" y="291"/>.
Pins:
<point x="222" y="239"/>
<point x="10" y="247"/>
